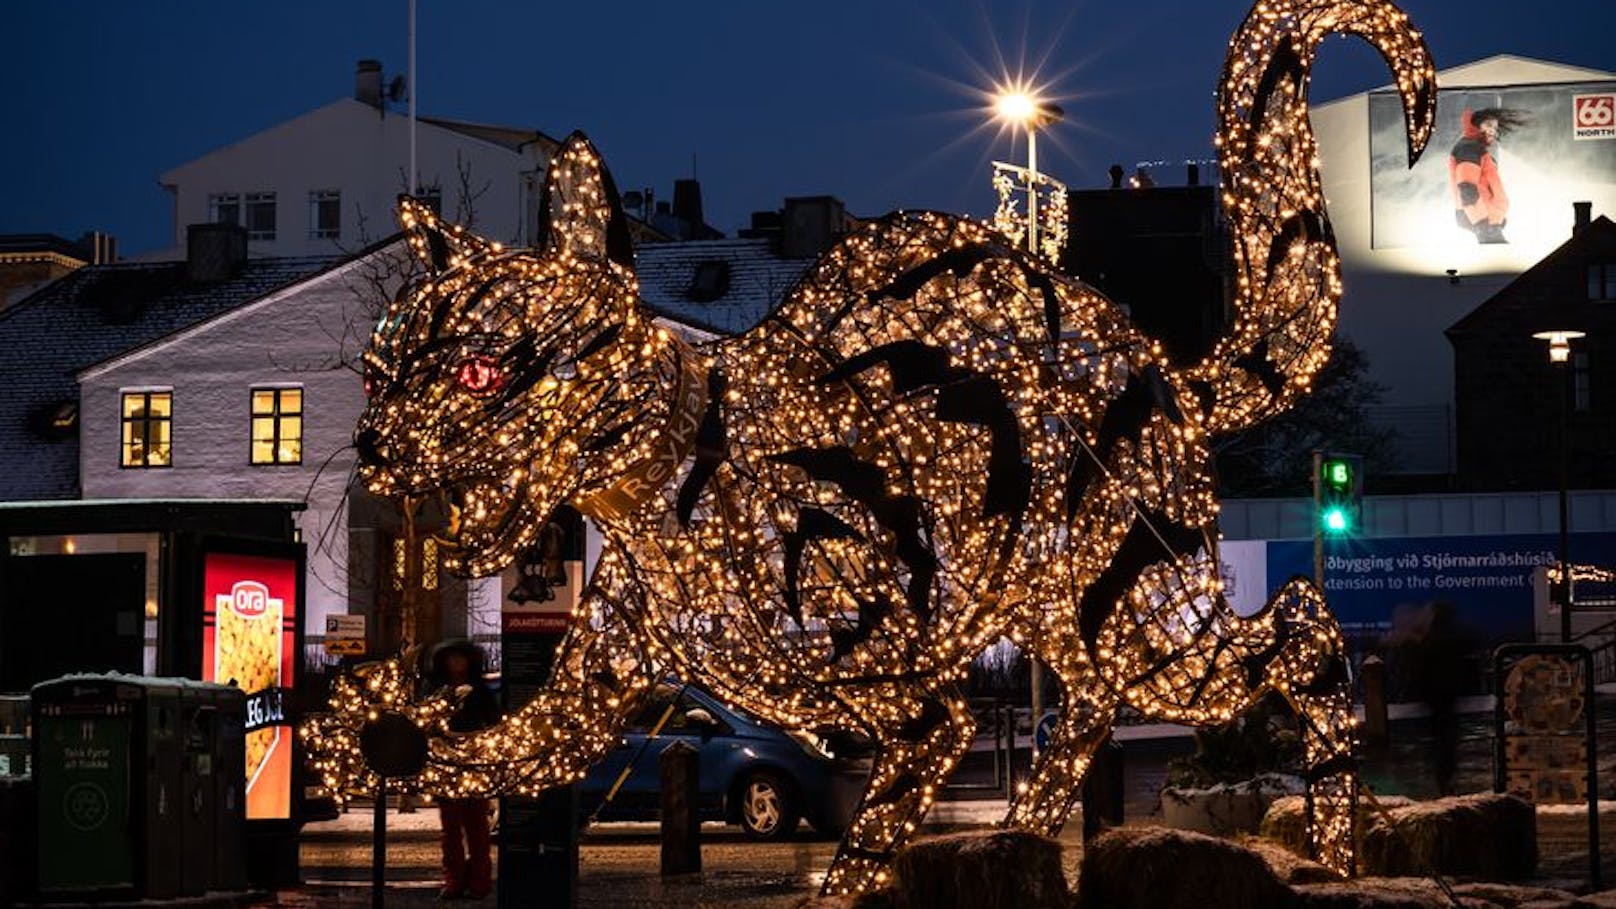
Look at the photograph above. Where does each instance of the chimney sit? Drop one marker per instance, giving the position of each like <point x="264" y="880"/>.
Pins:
<point x="810" y="224"/>
<point x="214" y="252"/>
<point x="1582" y="215"/>
<point x="687" y="202"/>
<point x="1194" y="175"/>
<point x="368" y="83"/>
<point x="102" y="248"/>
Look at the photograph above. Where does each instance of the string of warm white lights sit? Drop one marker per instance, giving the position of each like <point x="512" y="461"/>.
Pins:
<point x="1589" y="573"/>
<point x="934" y="442"/>
<point x="1011" y="183"/>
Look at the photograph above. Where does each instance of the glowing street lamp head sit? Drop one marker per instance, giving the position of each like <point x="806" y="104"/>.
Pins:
<point x="1016" y="107"/>
<point x="1559" y="343"/>
<point x="1022" y="107"/>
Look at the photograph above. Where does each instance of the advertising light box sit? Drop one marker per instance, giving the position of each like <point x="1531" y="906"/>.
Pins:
<point x="249" y="639"/>
<point x="1495" y="187"/>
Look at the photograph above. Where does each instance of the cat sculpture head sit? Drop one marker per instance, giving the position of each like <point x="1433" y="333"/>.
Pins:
<point x="509" y="381"/>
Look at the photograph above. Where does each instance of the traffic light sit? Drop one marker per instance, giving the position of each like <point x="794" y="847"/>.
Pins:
<point x="1338" y="494"/>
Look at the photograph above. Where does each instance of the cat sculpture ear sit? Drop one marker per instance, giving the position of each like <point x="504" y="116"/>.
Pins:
<point x="579" y="214"/>
<point x="438" y="244"/>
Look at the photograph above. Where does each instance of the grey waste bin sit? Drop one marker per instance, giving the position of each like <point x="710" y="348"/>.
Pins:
<point x="198" y="821"/>
<point x="230" y="789"/>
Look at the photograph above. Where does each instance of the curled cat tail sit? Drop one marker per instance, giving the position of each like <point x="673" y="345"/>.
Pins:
<point x="1288" y="276"/>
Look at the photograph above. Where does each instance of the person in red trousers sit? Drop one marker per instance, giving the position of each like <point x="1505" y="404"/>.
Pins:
<point x="467" y="858"/>
<point x="1480" y="204"/>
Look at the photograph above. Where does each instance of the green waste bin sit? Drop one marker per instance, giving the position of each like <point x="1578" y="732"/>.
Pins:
<point x="83" y="733"/>
<point x="107" y="756"/>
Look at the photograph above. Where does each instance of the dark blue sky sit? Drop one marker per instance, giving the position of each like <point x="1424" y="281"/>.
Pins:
<point x="865" y="99"/>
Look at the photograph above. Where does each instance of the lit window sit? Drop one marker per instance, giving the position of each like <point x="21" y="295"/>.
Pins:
<point x="260" y="216"/>
<point x="224" y="208"/>
<point x="277" y="426"/>
<point x="1602" y="281"/>
<point x="325" y="214"/>
<point x="429" y="563"/>
<point x="147" y="427"/>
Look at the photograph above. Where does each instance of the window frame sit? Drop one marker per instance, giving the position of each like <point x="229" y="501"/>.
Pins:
<point x="276" y="415"/>
<point x="1602" y="278"/>
<point x="248" y="202"/>
<point x="217" y="201"/>
<point x="147" y="421"/>
<point x="316" y="230"/>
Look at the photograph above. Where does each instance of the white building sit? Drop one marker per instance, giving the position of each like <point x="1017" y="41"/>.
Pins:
<point x="1409" y="272"/>
<point x="258" y="402"/>
<point x="327" y="181"/>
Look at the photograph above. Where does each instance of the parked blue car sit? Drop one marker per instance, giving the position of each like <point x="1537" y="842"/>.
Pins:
<point x="752" y="774"/>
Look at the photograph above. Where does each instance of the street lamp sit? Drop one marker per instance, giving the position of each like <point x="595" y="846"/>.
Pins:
<point x="1559" y="341"/>
<point x="1019" y="107"/>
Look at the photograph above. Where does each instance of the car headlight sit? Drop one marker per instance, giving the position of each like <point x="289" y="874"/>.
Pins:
<point x="811" y="743"/>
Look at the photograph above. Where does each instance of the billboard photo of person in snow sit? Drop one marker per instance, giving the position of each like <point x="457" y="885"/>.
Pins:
<point x="1499" y="199"/>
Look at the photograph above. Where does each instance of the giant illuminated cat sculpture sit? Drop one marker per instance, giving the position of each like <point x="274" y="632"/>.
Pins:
<point x="935" y="441"/>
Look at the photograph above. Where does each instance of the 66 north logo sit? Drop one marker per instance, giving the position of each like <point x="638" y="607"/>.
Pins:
<point x="1593" y="116"/>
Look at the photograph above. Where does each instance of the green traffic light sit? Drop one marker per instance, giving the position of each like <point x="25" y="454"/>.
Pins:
<point x="1337" y="473"/>
<point x="1335" y="519"/>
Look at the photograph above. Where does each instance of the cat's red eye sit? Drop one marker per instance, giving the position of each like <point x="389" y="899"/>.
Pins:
<point x="372" y="381"/>
<point x="480" y="375"/>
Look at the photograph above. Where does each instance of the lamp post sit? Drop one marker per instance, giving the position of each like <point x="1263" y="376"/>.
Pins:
<point x="1559" y="341"/>
<point x="1019" y="108"/>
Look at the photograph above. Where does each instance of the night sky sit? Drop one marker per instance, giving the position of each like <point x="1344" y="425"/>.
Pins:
<point x="876" y="102"/>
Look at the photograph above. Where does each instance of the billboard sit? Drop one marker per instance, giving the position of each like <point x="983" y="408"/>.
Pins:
<point x="1369" y="581"/>
<point x="1497" y="181"/>
<point x="249" y="639"/>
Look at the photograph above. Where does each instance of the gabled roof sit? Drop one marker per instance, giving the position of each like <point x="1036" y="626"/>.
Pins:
<point x="82" y="319"/>
<point x="1499" y="69"/>
<point x="1526" y="70"/>
<point x="511" y="137"/>
<point x="745" y="280"/>
<point x="25" y="244"/>
<point x="1599" y="229"/>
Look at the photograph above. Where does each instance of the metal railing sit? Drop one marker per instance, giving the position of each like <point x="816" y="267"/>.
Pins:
<point x="995" y="719"/>
<point x="1601" y="642"/>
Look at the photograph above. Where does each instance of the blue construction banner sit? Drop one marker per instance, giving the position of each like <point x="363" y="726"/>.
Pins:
<point x="1487" y="578"/>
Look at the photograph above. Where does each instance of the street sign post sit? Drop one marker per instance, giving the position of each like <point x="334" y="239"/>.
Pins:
<point x="345" y="635"/>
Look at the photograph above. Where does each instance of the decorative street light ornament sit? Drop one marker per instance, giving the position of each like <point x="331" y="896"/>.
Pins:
<point x="1012" y="184"/>
<point x="1559" y="343"/>
<point x="935" y="442"/>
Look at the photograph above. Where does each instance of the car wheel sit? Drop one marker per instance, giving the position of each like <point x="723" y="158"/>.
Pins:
<point x="769" y="808"/>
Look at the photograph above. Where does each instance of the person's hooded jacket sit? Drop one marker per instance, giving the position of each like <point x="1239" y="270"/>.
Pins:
<point x="479" y="708"/>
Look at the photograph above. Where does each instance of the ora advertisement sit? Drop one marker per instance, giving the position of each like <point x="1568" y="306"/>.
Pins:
<point x="249" y="622"/>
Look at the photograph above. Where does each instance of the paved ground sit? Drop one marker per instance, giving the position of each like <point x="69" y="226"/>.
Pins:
<point x="618" y="862"/>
